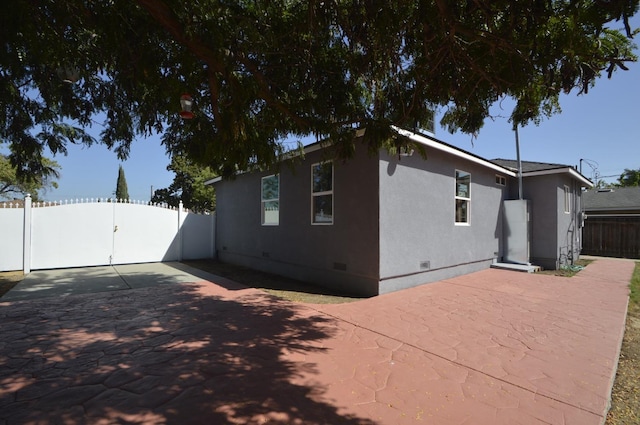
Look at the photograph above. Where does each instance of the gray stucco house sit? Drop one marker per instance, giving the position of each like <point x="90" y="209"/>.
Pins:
<point x="379" y="223"/>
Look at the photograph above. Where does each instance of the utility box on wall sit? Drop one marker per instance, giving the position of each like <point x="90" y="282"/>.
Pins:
<point x="517" y="231"/>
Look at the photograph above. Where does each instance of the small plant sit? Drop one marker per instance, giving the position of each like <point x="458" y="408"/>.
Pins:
<point x="568" y="270"/>
<point x="634" y="286"/>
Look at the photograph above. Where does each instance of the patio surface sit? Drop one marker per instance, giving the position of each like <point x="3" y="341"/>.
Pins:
<point x="493" y="347"/>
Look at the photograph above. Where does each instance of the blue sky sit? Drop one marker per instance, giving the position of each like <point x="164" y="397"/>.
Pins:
<point x="599" y="127"/>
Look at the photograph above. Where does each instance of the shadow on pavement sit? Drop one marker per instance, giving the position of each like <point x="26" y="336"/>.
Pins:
<point x="171" y="354"/>
<point x="267" y="281"/>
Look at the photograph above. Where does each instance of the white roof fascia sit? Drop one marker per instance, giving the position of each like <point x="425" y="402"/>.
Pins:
<point x="576" y="175"/>
<point x="312" y="148"/>
<point x="426" y="141"/>
<point x="213" y="181"/>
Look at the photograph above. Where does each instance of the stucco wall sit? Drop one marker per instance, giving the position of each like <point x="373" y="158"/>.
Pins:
<point x="555" y="238"/>
<point x="420" y="241"/>
<point x="542" y="191"/>
<point x="343" y="255"/>
<point x="569" y="231"/>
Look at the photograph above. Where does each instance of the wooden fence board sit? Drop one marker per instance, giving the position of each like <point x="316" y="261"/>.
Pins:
<point x="611" y="236"/>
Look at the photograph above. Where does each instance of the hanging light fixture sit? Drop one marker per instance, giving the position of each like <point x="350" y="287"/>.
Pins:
<point x="186" y="102"/>
<point x="68" y="74"/>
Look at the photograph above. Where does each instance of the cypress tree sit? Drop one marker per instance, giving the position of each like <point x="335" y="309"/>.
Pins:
<point x="121" y="186"/>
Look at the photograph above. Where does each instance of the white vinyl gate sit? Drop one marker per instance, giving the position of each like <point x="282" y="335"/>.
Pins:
<point x="97" y="233"/>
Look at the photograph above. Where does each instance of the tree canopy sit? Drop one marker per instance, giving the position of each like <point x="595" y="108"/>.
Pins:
<point x="188" y="186"/>
<point x="122" y="191"/>
<point x="629" y="178"/>
<point x="12" y="185"/>
<point x="262" y="70"/>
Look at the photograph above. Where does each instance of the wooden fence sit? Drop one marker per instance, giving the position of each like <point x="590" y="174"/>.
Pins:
<point x="611" y="236"/>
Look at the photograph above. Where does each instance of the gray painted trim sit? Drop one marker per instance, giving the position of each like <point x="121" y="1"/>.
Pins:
<point x="596" y="215"/>
<point x="594" y="211"/>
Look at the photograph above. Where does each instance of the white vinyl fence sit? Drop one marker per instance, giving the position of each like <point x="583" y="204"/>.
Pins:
<point x="96" y="232"/>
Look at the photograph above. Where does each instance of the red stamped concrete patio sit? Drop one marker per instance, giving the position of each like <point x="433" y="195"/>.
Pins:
<point x="494" y="347"/>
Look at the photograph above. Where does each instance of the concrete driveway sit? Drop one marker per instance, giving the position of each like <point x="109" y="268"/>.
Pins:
<point x="493" y="347"/>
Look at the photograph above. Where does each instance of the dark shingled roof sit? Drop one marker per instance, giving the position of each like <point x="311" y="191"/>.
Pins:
<point x="618" y="198"/>
<point x="528" y="166"/>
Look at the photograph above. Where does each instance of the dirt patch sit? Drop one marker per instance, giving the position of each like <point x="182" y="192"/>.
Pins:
<point x="8" y="280"/>
<point x="568" y="271"/>
<point x="625" y="397"/>
<point x="289" y="289"/>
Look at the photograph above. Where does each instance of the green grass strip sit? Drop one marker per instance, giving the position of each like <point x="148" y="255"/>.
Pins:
<point x="634" y="296"/>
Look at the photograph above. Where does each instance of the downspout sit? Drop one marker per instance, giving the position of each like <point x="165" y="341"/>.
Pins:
<point x="574" y="221"/>
<point x="577" y="236"/>
<point x="519" y="163"/>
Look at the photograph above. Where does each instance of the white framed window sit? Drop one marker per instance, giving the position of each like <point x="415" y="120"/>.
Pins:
<point x="501" y="180"/>
<point x="270" y="198"/>
<point x="567" y="199"/>
<point x="322" y="193"/>
<point x="462" y="197"/>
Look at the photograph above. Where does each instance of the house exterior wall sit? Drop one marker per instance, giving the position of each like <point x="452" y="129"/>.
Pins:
<point x="569" y="230"/>
<point x="419" y="239"/>
<point x="343" y="256"/>
<point x="542" y="192"/>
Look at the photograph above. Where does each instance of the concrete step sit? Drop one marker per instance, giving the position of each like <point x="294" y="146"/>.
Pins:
<point x="527" y="268"/>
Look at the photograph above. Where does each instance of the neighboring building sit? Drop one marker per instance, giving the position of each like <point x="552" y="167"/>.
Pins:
<point x="619" y="201"/>
<point x="379" y="222"/>
<point x="612" y="225"/>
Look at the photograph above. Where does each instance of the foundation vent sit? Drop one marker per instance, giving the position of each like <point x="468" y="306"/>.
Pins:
<point x="340" y="266"/>
<point x="425" y="265"/>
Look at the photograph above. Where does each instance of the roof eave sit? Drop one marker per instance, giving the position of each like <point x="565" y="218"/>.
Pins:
<point x="435" y="144"/>
<point x="585" y="182"/>
<point x="213" y="181"/>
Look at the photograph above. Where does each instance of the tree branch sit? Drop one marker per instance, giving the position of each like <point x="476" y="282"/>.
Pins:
<point x="163" y="15"/>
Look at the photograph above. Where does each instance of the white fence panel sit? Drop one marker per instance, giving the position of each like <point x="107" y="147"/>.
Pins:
<point x="11" y="238"/>
<point x="100" y="233"/>
<point x="145" y="234"/>
<point x="74" y="235"/>
<point x="198" y="236"/>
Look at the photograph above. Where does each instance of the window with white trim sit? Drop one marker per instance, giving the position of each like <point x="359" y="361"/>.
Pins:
<point x="270" y="200"/>
<point x="567" y="199"/>
<point x="462" y="196"/>
<point x="322" y="193"/>
<point x="501" y="180"/>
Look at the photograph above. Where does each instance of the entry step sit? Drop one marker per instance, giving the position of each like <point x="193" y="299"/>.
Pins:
<point x="527" y="268"/>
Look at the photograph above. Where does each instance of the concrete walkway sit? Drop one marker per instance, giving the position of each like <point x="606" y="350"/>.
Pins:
<point x="493" y="347"/>
<point x="87" y="280"/>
